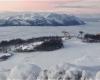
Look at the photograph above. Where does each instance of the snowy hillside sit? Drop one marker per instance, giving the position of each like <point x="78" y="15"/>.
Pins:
<point x="39" y="19"/>
<point x="76" y="61"/>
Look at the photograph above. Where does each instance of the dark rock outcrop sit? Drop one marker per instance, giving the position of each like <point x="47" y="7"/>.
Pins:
<point x="91" y="38"/>
<point x="50" y="45"/>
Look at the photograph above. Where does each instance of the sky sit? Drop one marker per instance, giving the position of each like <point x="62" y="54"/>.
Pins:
<point x="66" y="6"/>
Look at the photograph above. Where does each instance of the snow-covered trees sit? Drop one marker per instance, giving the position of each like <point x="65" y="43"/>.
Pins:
<point x="65" y="72"/>
<point x="24" y="72"/>
<point x="58" y="72"/>
<point x="98" y="76"/>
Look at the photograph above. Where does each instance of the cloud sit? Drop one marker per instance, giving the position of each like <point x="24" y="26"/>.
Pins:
<point x="70" y="6"/>
<point x="78" y="4"/>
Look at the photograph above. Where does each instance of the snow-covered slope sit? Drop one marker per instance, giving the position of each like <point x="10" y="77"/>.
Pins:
<point x="75" y="57"/>
<point x="40" y="19"/>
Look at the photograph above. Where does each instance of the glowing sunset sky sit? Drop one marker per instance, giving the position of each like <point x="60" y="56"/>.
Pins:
<point x="71" y="6"/>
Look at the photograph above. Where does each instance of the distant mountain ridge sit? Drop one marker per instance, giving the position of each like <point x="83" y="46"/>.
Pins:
<point x="39" y="19"/>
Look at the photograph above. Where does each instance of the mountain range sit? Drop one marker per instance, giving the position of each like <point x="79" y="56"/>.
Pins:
<point x="39" y="19"/>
